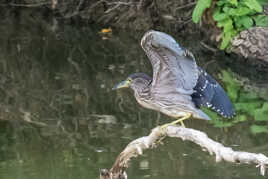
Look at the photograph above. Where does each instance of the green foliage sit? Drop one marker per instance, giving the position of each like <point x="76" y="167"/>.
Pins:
<point x="232" y="87"/>
<point x="233" y="16"/>
<point x="263" y="2"/>
<point x="247" y="106"/>
<point x="213" y="115"/>
<point x="233" y="2"/>
<point x="254" y="5"/>
<point x="255" y="129"/>
<point x="261" y="114"/>
<point x="240" y="118"/>
<point x="261" y="20"/>
<point x="245" y="21"/>
<point x="68" y="157"/>
<point x="200" y="7"/>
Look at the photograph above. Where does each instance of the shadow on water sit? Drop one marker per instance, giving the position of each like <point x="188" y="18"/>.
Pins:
<point x="60" y="119"/>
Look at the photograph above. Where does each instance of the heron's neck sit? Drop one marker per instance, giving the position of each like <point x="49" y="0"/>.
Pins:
<point x="143" y="92"/>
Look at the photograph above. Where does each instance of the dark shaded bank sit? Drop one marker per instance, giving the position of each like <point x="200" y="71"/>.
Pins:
<point x="136" y="15"/>
<point x="172" y="16"/>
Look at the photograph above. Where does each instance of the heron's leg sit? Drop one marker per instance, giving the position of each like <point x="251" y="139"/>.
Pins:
<point x="187" y="116"/>
<point x="179" y="121"/>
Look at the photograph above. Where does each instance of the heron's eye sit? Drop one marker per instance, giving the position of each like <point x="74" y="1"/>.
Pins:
<point x="129" y="79"/>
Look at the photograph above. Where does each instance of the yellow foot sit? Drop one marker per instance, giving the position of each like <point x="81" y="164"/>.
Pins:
<point x="159" y="141"/>
<point x="178" y="121"/>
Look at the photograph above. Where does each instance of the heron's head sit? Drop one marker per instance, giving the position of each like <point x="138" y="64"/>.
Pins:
<point x="153" y="40"/>
<point x="135" y="81"/>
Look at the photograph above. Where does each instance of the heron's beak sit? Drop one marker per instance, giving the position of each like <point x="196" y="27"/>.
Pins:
<point x="123" y="84"/>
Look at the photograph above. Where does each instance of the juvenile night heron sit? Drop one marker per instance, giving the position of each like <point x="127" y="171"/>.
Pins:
<point x="178" y="87"/>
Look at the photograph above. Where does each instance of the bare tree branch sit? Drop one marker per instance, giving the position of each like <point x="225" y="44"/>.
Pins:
<point x="117" y="5"/>
<point x="186" y="5"/>
<point x="29" y="5"/>
<point x="136" y="148"/>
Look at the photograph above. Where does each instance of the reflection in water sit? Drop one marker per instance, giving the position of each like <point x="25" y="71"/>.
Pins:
<point x="60" y="119"/>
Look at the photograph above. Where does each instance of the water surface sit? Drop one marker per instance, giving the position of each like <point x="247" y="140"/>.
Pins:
<point x="59" y="117"/>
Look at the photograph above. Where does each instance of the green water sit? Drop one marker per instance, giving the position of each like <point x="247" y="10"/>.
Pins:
<point x="59" y="117"/>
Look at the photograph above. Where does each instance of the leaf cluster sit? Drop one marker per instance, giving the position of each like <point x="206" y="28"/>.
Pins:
<point x="233" y="16"/>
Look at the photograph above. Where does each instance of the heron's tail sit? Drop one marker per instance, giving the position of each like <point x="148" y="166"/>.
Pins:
<point x="201" y="115"/>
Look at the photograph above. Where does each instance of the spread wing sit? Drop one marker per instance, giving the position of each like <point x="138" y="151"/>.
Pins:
<point x="210" y="94"/>
<point x="174" y="69"/>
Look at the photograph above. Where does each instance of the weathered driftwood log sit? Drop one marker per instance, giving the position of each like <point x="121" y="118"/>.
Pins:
<point x="221" y="152"/>
<point x="252" y="43"/>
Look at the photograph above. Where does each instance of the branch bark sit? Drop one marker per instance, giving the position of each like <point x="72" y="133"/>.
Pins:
<point x="136" y="148"/>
